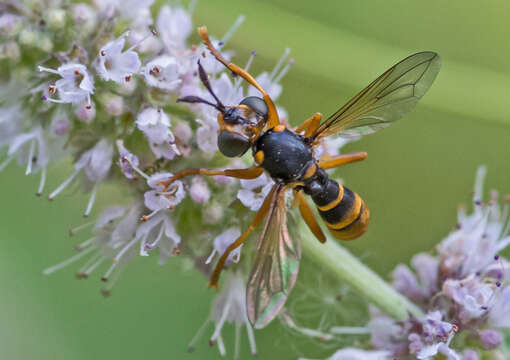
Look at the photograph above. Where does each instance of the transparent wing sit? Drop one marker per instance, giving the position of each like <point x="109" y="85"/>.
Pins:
<point x="275" y="266"/>
<point x="386" y="99"/>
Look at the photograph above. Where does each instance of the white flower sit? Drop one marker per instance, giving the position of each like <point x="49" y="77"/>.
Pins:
<point x="85" y="112"/>
<point x="156" y="126"/>
<point x="127" y="9"/>
<point x="174" y="27"/>
<point x="75" y="86"/>
<point x="159" y="231"/>
<point x="115" y="64"/>
<point x="499" y="311"/>
<point x="158" y="199"/>
<point x="253" y="192"/>
<point x="229" y="306"/>
<point x="162" y="72"/>
<point x="96" y="164"/>
<point x="199" y="191"/>
<point x="128" y="162"/>
<point x="207" y="136"/>
<point x="222" y="242"/>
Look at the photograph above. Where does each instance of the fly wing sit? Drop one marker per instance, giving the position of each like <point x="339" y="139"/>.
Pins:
<point x="386" y="99"/>
<point x="275" y="266"/>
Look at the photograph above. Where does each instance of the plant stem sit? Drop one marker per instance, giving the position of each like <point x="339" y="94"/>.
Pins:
<point x="341" y="263"/>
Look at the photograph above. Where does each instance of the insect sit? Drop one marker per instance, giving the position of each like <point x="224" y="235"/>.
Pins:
<point x="288" y="157"/>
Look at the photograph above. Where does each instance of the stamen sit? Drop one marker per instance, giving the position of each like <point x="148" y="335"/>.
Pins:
<point x="80" y="227"/>
<point x="222" y="320"/>
<point x="233" y="29"/>
<point x="82" y="245"/>
<point x="81" y="274"/>
<point x="191" y="6"/>
<point x="6" y="162"/>
<point x="152" y="33"/>
<point x="349" y="330"/>
<point x="63" y="185"/>
<point x="94" y="266"/>
<point x="67" y="262"/>
<point x="239" y="80"/>
<point x="209" y="259"/>
<point x="42" y="182"/>
<point x="279" y="64"/>
<point x="147" y="217"/>
<point x="198" y="335"/>
<point x="160" y="235"/>
<point x="251" y="338"/>
<point x="480" y="177"/>
<point x="237" y="343"/>
<point x="123" y="251"/>
<point x="284" y="71"/>
<point x="221" y="346"/>
<point x="108" y="272"/>
<point x="30" y="158"/>
<point x="42" y="68"/>
<point x="91" y="200"/>
<point x="107" y="291"/>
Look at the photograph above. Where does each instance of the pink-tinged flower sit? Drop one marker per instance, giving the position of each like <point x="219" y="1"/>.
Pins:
<point x="85" y="112"/>
<point x="222" y="242"/>
<point x="114" y="105"/>
<point x="159" y="199"/>
<point x="199" y="191"/>
<point x="158" y="232"/>
<point x="479" y="237"/>
<point x="229" y="306"/>
<point x="490" y="339"/>
<point x="96" y="164"/>
<point x="174" y="26"/>
<point x="419" y="288"/>
<point x="253" y="192"/>
<point x="115" y="64"/>
<point x="155" y="124"/>
<point x="60" y="125"/>
<point x="128" y="162"/>
<point x="472" y="295"/>
<point x="162" y="72"/>
<point x="499" y="310"/>
<point x="76" y="84"/>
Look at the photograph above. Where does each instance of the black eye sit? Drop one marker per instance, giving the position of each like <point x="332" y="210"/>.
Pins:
<point x="232" y="144"/>
<point x="256" y="104"/>
<point x="233" y="116"/>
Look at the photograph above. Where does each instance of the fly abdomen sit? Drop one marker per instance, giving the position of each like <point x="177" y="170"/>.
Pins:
<point x="344" y="212"/>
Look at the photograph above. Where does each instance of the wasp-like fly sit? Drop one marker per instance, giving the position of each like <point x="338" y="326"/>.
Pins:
<point x="288" y="157"/>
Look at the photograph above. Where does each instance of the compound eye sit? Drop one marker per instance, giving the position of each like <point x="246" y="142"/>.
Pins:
<point x="258" y="105"/>
<point x="232" y="144"/>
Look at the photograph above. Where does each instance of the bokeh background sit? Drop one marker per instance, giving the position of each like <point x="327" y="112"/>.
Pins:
<point x="416" y="174"/>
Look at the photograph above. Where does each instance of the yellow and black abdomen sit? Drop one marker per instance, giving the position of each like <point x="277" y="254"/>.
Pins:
<point x="344" y="212"/>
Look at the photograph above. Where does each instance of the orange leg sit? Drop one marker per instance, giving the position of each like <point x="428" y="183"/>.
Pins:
<point x="310" y="125"/>
<point x="341" y="160"/>
<point x="258" y="218"/>
<point x="309" y="217"/>
<point x="250" y="173"/>
<point x="273" y="119"/>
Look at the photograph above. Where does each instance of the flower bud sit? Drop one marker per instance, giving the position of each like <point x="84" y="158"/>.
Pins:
<point x="114" y="105"/>
<point x="199" y="190"/>
<point x="56" y="18"/>
<point x="86" y="112"/>
<point x="491" y="339"/>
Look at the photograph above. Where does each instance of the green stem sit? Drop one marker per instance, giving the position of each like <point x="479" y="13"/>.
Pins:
<point x="338" y="261"/>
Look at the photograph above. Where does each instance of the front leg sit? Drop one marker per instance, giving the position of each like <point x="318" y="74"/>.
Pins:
<point x="273" y="119"/>
<point x="249" y="173"/>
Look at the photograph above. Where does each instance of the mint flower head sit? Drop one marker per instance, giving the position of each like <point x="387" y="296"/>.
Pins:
<point x="99" y="86"/>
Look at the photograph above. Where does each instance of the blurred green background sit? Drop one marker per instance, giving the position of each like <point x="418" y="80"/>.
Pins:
<point x="416" y="173"/>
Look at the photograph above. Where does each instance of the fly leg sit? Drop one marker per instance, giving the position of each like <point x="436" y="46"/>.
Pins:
<point x="310" y="125"/>
<point x="258" y="218"/>
<point x="335" y="161"/>
<point x="309" y="217"/>
<point x="273" y="119"/>
<point x="249" y="173"/>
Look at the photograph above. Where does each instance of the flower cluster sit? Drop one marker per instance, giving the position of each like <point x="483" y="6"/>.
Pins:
<point x="463" y="292"/>
<point x="98" y="82"/>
